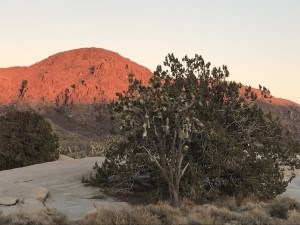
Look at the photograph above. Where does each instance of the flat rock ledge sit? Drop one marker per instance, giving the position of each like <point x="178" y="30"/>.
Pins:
<point x="8" y="201"/>
<point x="53" y="185"/>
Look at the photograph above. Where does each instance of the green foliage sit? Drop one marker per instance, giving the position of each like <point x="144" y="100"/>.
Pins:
<point x="25" y="139"/>
<point x="197" y="134"/>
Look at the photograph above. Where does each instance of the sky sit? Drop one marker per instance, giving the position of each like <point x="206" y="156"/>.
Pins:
<point x="259" y="40"/>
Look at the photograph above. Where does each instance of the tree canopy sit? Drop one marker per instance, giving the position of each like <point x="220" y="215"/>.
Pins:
<point x="198" y="134"/>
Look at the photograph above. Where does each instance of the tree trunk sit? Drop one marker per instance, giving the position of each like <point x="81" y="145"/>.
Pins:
<point x="174" y="193"/>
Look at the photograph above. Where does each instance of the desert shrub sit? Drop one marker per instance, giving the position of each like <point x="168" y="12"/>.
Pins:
<point x="281" y="207"/>
<point x="25" y="139"/>
<point x="279" y="210"/>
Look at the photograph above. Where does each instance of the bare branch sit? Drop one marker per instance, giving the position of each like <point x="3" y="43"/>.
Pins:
<point x="183" y="171"/>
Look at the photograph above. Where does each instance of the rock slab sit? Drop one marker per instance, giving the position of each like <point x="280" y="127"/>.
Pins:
<point x="52" y="185"/>
<point x="8" y="201"/>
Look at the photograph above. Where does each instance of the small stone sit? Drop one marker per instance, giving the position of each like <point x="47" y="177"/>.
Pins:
<point x="8" y="201"/>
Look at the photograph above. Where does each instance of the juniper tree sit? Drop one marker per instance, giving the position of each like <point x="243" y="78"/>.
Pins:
<point x="196" y="130"/>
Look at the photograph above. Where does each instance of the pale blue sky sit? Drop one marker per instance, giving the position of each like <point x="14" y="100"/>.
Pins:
<point x="259" y="40"/>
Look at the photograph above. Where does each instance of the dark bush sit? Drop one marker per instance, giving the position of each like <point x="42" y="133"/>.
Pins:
<point x="281" y="207"/>
<point x="25" y="139"/>
<point x="279" y="210"/>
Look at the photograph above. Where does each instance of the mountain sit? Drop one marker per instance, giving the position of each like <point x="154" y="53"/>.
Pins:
<point x="71" y="90"/>
<point x="81" y="76"/>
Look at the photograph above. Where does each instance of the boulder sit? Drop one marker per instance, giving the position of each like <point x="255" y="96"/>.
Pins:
<point x="8" y="201"/>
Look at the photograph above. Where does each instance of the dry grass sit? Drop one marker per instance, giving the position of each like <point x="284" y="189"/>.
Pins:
<point x="226" y="211"/>
<point x="125" y="216"/>
<point x="44" y="217"/>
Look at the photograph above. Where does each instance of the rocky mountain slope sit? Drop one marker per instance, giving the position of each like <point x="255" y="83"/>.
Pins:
<point x="80" y="76"/>
<point x="289" y="115"/>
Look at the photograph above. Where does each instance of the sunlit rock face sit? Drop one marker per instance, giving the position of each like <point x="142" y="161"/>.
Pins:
<point x="81" y="76"/>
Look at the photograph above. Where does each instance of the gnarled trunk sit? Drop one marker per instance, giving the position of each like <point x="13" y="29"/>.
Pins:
<point x="174" y="194"/>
